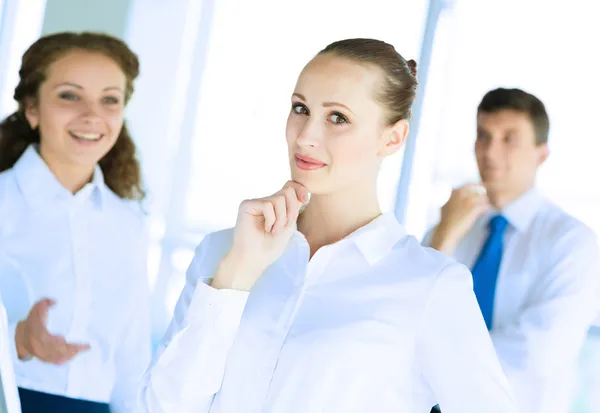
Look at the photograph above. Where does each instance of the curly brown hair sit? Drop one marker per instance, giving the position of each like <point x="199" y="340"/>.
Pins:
<point x="120" y="166"/>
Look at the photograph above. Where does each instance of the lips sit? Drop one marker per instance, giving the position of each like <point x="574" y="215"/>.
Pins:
<point x="309" y="160"/>
<point x="86" y="136"/>
<point x="306" y="163"/>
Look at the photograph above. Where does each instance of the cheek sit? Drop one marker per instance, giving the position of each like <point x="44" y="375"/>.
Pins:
<point x="353" y="151"/>
<point x="54" y="120"/>
<point x="114" y="121"/>
<point x="294" y="128"/>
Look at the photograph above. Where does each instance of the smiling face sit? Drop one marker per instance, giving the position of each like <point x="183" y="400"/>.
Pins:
<point x="78" y="109"/>
<point x="336" y="131"/>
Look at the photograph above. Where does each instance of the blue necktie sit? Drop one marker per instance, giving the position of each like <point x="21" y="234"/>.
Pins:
<point x="486" y="268"/>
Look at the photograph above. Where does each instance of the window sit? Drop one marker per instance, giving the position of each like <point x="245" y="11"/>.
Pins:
<point x="20" y="26"/>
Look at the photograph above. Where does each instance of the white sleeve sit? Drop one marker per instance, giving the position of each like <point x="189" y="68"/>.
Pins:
<point x="455" y="351"/>
<point x="188" y="366"/>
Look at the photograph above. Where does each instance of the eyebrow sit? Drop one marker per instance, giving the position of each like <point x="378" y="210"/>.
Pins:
<point x="509" y="130"/>
<point x="75" y="85"/>
<point x="325" y="104"/>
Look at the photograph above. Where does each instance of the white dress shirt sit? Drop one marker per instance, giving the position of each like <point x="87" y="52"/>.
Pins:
<point x="547" y="296"/>
<point x="88" y="252"/>
<point x="372" y="323"/>
<point x="9" y="397"/>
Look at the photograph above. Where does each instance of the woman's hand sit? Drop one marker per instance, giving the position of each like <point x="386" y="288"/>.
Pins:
<point x="263" y="229"/>
<point x="33" y="339"/>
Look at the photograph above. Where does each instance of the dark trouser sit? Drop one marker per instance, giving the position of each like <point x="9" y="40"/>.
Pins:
<point x="36" y="402"/>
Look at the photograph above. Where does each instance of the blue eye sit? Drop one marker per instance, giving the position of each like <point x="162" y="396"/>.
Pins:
<point x="110" y="100"/>
<point x="69" y="96"/>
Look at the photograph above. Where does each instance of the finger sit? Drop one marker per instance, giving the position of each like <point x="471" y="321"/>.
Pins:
<point x="476" y="189"/>
<point x="71" y="350"/>
<point x="50" y="348"/>
<point x="293" y="205"/>
<point x="475" y="201"/>
<point x="483" y="205"/>
<point x="269" y="215"/>
<point x="41" y="308"/>
<point x="59" y="351"/>
<point x="280" y="207"/>
<point x="81" y="347"/>
<point x="482" y="199"/>
<point x="301" y="191"/>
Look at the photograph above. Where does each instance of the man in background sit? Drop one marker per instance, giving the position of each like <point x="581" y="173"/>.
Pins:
<point x="536" y="270"/>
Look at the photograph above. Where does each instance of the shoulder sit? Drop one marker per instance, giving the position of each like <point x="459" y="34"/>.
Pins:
<point x="431" y="268"/>
<point x="553" y="224"/>
<point x="438" y="283"/>
<point x="427" y="260"/>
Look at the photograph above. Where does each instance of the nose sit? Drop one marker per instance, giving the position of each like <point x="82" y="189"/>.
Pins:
<point x="311" y="135"/>
<point x="90" y="113"/>
<point x="492" y="149"/>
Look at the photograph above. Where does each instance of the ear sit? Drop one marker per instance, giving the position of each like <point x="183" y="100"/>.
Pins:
<point x="394" y="138"/>
<point x="32" y="113"/>
<point x="543" y="153"/>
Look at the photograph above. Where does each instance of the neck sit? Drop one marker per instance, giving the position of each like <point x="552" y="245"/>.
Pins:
<point x="501" y="199"/>
<point x="72" y="177"/>
<point x="329" y="218"/>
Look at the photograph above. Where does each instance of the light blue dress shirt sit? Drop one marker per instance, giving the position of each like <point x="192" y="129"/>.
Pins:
<point x="547" y="296"/>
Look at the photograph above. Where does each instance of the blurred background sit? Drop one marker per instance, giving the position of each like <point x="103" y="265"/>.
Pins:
<point x="211" y="103"/>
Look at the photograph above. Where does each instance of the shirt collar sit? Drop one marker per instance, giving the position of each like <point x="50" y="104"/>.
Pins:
<point x="39" y="185"/>
<point x="378" y="237"/>
<point x="520" y="212"/>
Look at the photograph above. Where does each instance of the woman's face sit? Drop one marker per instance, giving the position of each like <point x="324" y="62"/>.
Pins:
<point x="336" y="130"/>
<point x="79" y="108"/>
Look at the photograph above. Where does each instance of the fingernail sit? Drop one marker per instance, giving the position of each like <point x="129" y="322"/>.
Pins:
<point x="306" y="197"/>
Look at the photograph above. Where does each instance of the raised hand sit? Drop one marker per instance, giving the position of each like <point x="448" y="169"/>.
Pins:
<point x="33" y="339"/>
<point x="465" y="205"/>
<point x="263" y="229"/>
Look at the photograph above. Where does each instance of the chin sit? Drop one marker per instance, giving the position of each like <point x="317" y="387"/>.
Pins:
<point x="494" y="185"/>
<point x="303" y="180"/>
<point x="87" y="159"/>
<point x="314" y="186"/>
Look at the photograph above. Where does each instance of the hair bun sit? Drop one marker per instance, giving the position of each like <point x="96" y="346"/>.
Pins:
<point x="412" y="65"/>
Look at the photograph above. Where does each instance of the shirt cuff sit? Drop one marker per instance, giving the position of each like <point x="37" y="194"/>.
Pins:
<point x="218" y="307"/>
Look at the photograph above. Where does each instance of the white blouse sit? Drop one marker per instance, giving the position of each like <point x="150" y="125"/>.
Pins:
<point x="373" y="323"/>
<point x="88" y="252"/>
